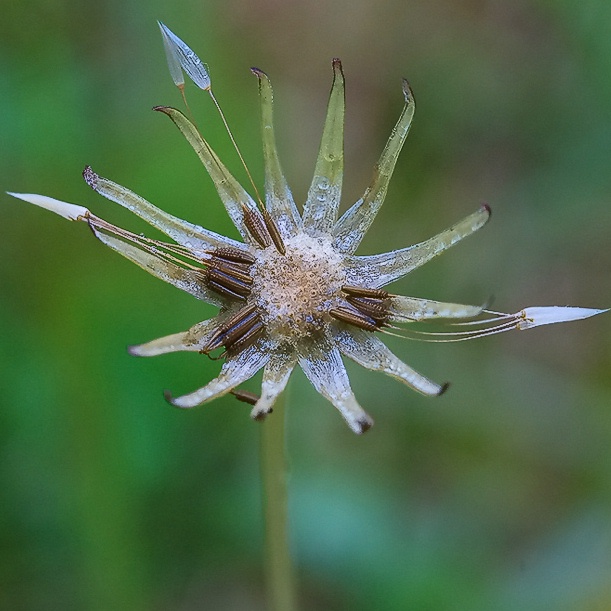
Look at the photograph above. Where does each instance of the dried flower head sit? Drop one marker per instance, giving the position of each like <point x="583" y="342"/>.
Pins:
<point x="293" y="291"/>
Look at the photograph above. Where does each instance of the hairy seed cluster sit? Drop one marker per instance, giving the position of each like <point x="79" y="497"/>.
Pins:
<point x="295" y="291"/>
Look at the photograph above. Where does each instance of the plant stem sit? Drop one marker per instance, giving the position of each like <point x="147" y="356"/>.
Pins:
<point x="278" y="562"/>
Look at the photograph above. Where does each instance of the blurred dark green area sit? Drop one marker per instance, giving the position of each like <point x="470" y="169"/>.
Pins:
<point x="495" y="496"/>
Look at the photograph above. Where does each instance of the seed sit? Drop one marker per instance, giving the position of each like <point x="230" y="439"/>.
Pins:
<point x="235" y="255"/>
<point x="245" y="396"/>
<point x="274" y="232"/>
<point x="354" y="317"/>
<point x="256" y="225"/>
<point x="238" y="332"/>
<point x="361" y="291"/>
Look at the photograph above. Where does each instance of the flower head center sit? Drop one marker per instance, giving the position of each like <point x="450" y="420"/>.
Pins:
<point x="295" y="291"/>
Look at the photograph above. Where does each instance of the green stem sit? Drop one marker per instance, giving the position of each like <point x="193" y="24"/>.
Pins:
<point x="279" y="566"/>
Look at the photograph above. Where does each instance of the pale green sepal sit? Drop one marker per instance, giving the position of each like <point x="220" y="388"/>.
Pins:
<point x="187" y="280"/>
<point x="353" y="225"/>
<point x="192" y="340"/>
<point x="322" y="204"/>
<point x="278" y="197"/>
<point x="232" y="194"/>
<point x="413" y="309"/>
<point x="376" y="271"/>
<point x="235" y="370"/>
<point x="322" y="364"/>
<point x="187" y="234"/>
<point x="275" y="377"/>
<point x="367" y="350"/>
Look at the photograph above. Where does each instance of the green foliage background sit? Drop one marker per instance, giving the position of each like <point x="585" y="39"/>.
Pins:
<point x="495" y="496"/>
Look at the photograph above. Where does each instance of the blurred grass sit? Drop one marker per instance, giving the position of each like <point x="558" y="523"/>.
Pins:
<point x="495" y="496"/>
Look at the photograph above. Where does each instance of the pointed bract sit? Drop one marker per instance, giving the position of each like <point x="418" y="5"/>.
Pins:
<point x="232" y="194"/>
<point x="278" y="196"/>
<point x="235" y="371"/>
<point x="322" y="203"/>
<point x="322" y="365"/>
<point x="182" y="232"/>
<point x="379" y="270"/>
<point x="352" y="226"/>
<point x="275" y="378"/>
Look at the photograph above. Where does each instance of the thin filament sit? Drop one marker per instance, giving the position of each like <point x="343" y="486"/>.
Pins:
<point x="154" y="247"/>
<point x="454" y="336"/>
<point x="235" y="145"/>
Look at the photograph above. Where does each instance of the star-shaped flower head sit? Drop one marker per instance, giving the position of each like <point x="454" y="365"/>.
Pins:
<point x="293" y="291"/>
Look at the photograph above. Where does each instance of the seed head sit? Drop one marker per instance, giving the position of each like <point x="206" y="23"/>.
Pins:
<point x="293" y="291"/>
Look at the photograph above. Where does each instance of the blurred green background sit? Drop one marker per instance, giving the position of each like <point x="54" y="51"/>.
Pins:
<point x="495" y="496"/>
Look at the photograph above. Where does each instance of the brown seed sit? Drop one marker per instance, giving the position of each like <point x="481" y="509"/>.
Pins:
<point x="229" y="281"/>
<point x="245" y="340"/>
<point x="354" y="317"/>
<point x="361" y="291"/>
<point x="374" y="308"/>
<point x="235" y="255"/>
<point x="236" y="331"/>
<point x="274" y="232"/>
<point x="256" y="226"/>
<point x="245" y="396"/>
<point x="236" y="270"/>
<point x="221" y="289"/>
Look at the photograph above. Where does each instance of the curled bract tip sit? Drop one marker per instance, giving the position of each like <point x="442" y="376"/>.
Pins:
<point x="408" y="93"/>
<point x="91" y="178"/>
<point x="443" y="389"/>
<point x="363" y="425"/>
<point x="258" y="72"/>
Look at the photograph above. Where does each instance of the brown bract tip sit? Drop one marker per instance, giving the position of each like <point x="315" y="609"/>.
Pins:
<point x="258" y="73"/>
<point x="167" y="395"/>
<point x="407" y="91"/>
<point x="91" y="178"/>
<point x="365" y="424"/>
<point x="443" y="389"/>
<point x="487" y="208"/>
<point x="164" y="109"/>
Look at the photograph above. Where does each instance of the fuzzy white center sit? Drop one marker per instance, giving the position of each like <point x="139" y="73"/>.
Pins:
<point x="294" y="291"/>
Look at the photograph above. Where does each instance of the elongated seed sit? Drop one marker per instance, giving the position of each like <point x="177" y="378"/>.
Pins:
<point x="256" y="226"/>
<point x="236" y="270"/>
<point x="218" y="277"/>
<point x="235" y="255"/>
<point x="354" y="317"/>
<point x="246" y="339"/>
<point x="245" y="396"/>
<point x="376" y="309"/>
<point x="274" y="232"/>
<point x="361" y="291"/>
<point x="233" y="329"/>
<point x="223" y="290"/>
